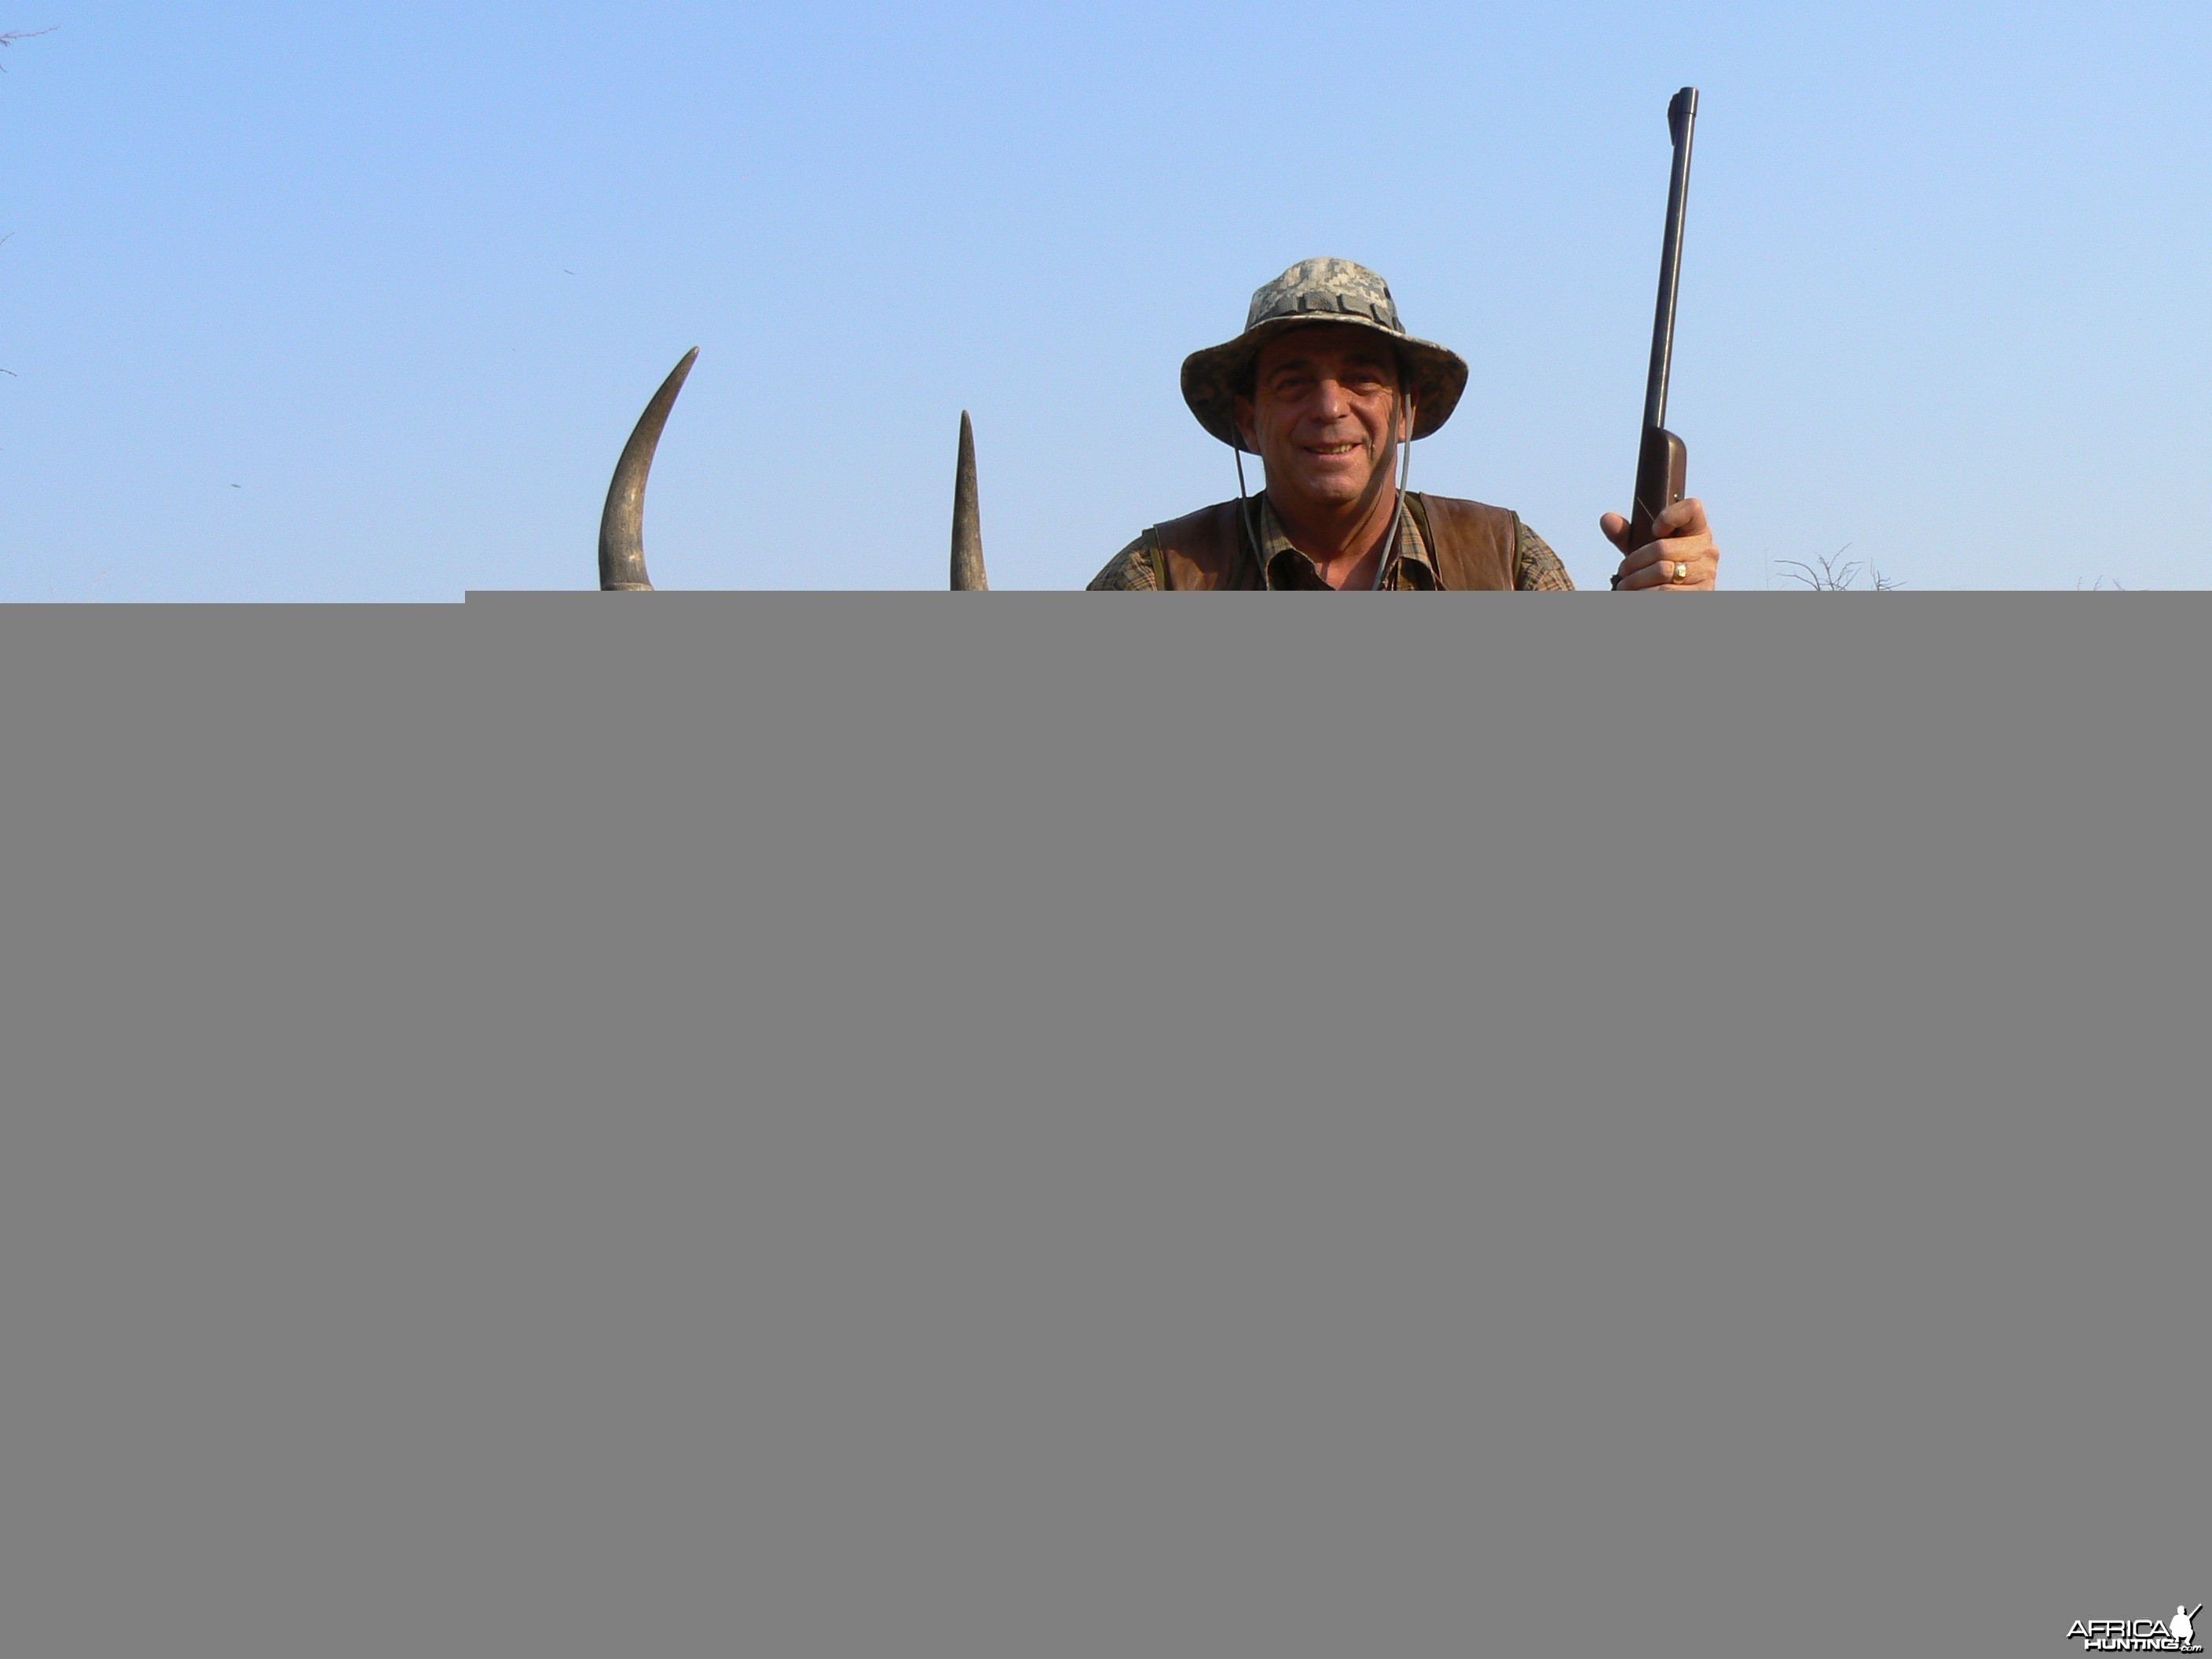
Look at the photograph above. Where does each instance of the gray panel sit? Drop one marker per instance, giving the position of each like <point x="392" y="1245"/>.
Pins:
<point x="848" y="1125"/>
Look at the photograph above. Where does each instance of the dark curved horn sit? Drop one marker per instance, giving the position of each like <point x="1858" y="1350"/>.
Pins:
<point x="968" y="576"/>
<point x="622" y="526"/>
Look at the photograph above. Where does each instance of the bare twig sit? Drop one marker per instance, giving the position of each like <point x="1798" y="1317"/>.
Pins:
<point x="22" y="34"/>
<point x="1826" y="575"/>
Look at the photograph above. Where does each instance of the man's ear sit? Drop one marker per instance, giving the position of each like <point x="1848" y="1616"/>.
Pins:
<point x="1242" y="412"/>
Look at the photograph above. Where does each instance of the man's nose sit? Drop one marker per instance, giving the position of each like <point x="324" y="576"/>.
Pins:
<point x="1329" y="401"/>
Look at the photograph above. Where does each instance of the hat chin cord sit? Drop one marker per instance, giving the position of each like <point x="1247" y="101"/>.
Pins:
<point x="1397" y="519"/>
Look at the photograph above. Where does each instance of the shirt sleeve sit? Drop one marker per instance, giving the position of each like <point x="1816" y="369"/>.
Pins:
<point x="1536" y="568"/>
<point x="1128" y="572"/>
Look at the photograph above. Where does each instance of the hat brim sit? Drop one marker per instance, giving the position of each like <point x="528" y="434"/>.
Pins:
<point x="1437" y="374"/>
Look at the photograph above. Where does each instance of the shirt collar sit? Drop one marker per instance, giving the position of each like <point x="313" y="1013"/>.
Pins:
<point x="1282" y="565"/>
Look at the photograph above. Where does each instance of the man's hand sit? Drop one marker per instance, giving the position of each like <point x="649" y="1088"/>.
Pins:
<point x="1683" y="538"/>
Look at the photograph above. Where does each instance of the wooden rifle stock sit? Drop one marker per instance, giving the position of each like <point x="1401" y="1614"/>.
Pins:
<point x="1663" y="461"/>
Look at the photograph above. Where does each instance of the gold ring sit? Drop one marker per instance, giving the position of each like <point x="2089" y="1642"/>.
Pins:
<point x="1681" y="574"/>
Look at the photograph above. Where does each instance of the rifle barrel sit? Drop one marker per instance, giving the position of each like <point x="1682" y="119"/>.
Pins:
<point x="1682" y="122"/>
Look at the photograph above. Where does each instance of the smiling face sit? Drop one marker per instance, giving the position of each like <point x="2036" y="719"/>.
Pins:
<point x="1323" y="413"/>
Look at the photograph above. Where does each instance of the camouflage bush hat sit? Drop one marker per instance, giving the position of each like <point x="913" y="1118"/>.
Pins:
<point x="1321" y="291"/>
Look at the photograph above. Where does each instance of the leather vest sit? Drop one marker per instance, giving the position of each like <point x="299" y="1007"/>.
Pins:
<point x="1474" y="547"/>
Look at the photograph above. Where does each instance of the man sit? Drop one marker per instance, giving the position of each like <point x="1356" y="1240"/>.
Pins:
<point x="1326" y="386"/>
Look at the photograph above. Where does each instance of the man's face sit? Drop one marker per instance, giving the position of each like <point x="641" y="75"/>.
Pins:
<point x="1323" y="411"/>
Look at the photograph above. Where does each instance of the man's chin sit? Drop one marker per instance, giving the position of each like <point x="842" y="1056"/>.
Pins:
<point x="1333" y="486"/>
<point x="1333" y="494"/>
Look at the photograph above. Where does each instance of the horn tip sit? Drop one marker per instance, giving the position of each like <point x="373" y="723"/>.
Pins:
<point x="968" y="571"/>
<point x="622" y="524"/>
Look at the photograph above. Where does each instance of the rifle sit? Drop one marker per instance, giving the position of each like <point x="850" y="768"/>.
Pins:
<point x="1662" y="462"/>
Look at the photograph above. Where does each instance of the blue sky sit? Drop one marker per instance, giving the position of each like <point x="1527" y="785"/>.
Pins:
<point x="347" y="303"/>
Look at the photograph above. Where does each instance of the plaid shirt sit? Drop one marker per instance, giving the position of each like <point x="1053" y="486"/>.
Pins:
<point x="1536" y="568"/>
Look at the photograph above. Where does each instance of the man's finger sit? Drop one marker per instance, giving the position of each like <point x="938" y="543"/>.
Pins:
<point x="1692" y="551"/>
<point x="1649" y="576"/>
<point x="1684" y="519"/>
<point x="1654" y="566"/>
<point x="1660" y="578"/>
